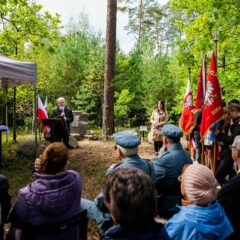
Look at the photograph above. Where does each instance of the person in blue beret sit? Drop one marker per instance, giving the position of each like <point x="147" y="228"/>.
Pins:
<point x="126" y="149"/>
<point x="168" y="168"/>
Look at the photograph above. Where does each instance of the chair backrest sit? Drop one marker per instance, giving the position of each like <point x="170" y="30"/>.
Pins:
<point x="169" y="195"/>
<point x="168" y="185"/>
<point x="5" y="198"/>
<point x="78" y="221"/>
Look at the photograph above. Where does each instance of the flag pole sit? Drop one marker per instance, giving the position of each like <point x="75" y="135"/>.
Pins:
<point x="189" y="137"/>
<point x="215" y="39"/>
<point x="204" y="77"/>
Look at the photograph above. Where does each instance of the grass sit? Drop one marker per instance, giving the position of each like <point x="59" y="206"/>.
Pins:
<point x="84" y="160"/>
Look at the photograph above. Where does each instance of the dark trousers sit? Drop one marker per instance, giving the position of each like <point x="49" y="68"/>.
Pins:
<point x="157" y="145"/>
<point x="225" y="168"/>
<point x="62" y="136"/>
<point x="198" y="155"/>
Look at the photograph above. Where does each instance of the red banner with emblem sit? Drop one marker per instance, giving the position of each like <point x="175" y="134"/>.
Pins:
<point x="213" y="106"/>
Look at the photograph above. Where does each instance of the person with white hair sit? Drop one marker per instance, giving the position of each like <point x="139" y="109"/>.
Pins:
<point x="62" y="111"/>
<point x="229" y="195"/>
<point x="127" y="151"/>
<point x="201" y="217"/>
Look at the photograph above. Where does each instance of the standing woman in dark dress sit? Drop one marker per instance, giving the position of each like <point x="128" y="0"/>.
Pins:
<point x="158" y="118"/>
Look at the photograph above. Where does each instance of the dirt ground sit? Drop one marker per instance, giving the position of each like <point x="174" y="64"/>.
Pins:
<point x="91" y="159"/>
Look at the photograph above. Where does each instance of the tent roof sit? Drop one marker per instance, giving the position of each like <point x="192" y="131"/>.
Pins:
<point x="14" y="72"/>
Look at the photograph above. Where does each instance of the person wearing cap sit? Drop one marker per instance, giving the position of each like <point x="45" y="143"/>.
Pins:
<point x="127" y="151"/>
<point x="168" y="167"/>
<point x="229" y="195"/>
<point x="170" y="163"/>
<point x="201" y="217"/>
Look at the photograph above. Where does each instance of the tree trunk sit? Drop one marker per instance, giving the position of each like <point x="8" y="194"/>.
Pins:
<point x="108" y="102"/>
<point x="140" y="16"/>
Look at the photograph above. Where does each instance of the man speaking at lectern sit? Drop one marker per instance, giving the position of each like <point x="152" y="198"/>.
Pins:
<point x="62" y="111"/>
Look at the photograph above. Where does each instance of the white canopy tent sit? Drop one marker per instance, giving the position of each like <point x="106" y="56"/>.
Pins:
<point x="17" y="72"/>
<point x="14" y="73"/>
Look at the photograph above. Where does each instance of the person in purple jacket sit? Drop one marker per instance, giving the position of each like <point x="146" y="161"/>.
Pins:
<point x="50" y="200"/>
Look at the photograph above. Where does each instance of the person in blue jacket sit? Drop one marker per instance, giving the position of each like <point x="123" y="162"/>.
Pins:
<point x="201" y="217"/>
<point x="127" y="151"/>
<point x="130" y="196"/>
<point x="170" y="163"/>
<point x="167" y="168"/>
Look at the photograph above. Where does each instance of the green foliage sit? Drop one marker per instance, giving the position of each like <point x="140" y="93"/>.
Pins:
<point x="123" y="105"/>
<point x="169" y="44"/>
<point x="84" y="102"/>
<point x="203" y="21"/>
<point x="24" y="22"/>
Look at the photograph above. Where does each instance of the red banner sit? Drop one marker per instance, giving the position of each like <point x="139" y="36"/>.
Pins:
<point x="187" y="117"/>
<point x="213" y="106"/>
<point x="200" y="94"/>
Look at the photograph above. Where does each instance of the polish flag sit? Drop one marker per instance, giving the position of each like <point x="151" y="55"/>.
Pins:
<point x="42" y="114"/>
<point x="213" y="106"/>
<point x="200" y="93"/>
<point x="187" y="117"/>
<point x="46" y="104"/>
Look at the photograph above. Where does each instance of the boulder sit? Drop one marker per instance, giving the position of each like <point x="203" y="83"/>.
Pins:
<point x="27" y="148"/>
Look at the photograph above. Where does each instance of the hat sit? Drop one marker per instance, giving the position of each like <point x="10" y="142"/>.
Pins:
<point x="127" y="139"/>
<point x="172" y="131"/>
<point x="199" y="184"/>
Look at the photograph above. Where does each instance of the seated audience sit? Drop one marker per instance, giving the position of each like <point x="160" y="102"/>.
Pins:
<point x="127" y="151"/>
<point x="201" y="217"/>
<point x="50" y="200"/>
<point x="229" y="195"/>
<point x="130" y="196"/>
<point x="5" y="203"/>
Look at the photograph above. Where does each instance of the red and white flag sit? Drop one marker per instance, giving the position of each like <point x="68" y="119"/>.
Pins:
<point x="46" y="104"/>
<point x="187" y="117"/>
<point x="42" y="114"/>
<point x="213" y="106"/>
<point x="199" y="97"/>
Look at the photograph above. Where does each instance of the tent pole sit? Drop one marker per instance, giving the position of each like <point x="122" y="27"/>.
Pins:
<point x="5" y="91"/>
<point x="35" y="119"/>
<point x="14" y="115"/>
<point x="6" y="111"/>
